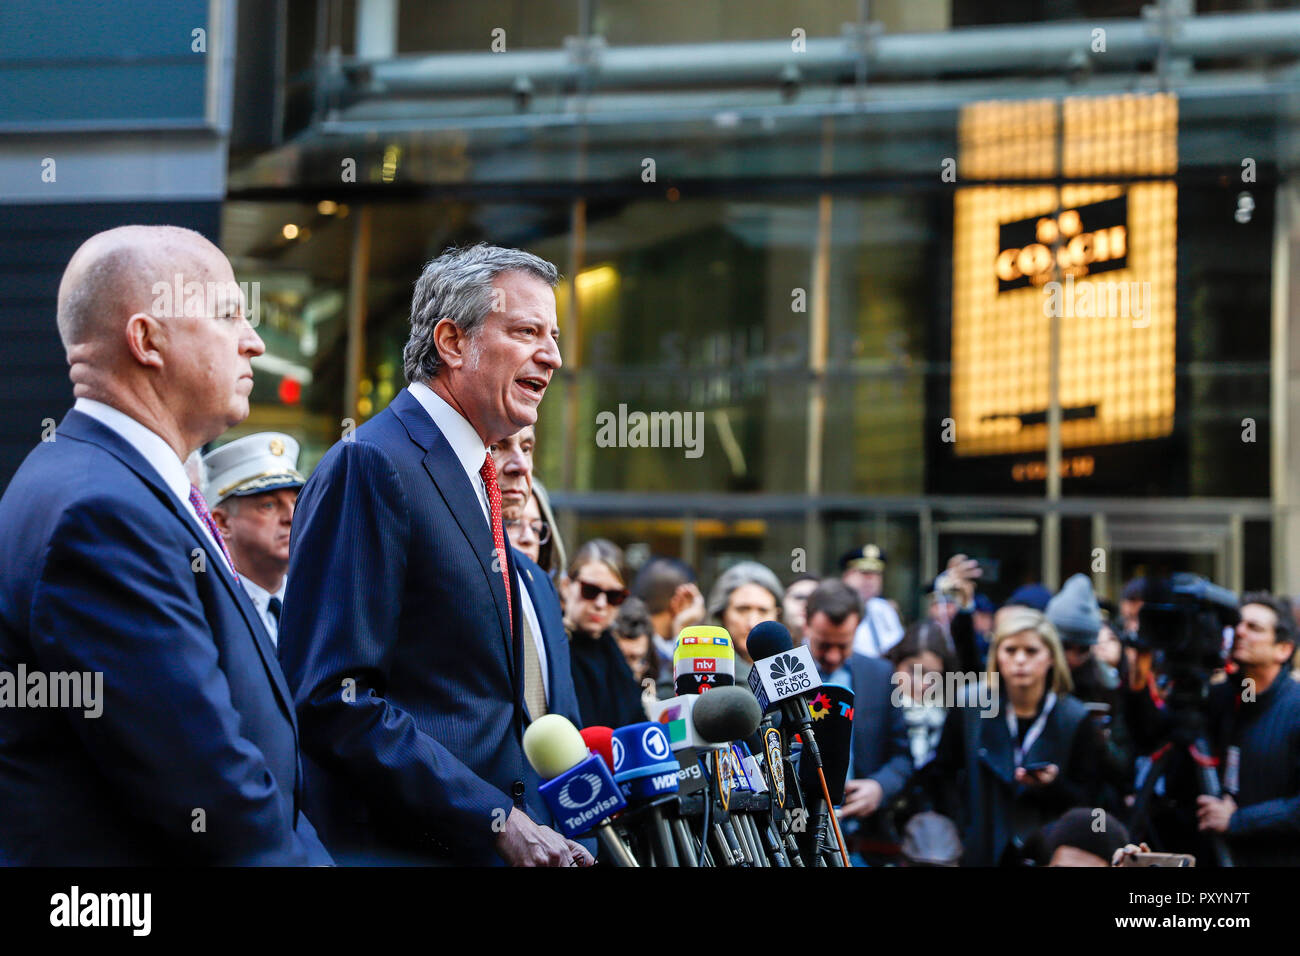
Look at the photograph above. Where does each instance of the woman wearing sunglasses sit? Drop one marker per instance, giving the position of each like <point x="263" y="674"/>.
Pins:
<point x="608" y="694"/>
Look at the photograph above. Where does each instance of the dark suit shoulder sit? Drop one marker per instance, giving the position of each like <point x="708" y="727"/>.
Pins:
<point x="870" y="668"/>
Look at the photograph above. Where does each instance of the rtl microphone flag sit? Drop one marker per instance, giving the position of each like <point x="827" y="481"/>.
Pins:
<point x="702" y="659"/>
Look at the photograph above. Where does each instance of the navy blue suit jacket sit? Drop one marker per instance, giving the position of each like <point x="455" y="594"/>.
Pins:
<point x="880" y="746"/>
<point x="98" y="573"/>
<point x="397" y="642"/>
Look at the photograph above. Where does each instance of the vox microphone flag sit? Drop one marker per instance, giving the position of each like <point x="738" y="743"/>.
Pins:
<point x="703" y="659"/>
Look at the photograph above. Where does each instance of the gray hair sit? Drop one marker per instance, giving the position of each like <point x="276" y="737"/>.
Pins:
<point x="746" y="572"/>
<point x="458" y="286"/>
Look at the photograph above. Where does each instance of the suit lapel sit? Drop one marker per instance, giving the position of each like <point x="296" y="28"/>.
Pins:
<point x="462" y="501"/>
<point x="81" y="426"/>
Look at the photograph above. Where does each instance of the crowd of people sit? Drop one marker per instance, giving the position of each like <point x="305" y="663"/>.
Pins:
<point x="339" y="667"/>
<point x="1059" y="754"/>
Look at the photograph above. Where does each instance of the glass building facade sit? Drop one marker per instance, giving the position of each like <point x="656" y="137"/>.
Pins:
<point x="852" y="253"/>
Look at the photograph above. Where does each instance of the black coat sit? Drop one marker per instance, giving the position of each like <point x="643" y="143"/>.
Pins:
<point x="974" y="775"/>
<point x="608" y="694"/>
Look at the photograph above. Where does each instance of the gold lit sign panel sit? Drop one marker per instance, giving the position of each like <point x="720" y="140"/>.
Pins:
<point x="1101" y="256"/>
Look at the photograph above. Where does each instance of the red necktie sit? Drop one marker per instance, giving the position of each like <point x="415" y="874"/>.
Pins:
<point x="201" y="509"/>
<point x="489" y="474"/>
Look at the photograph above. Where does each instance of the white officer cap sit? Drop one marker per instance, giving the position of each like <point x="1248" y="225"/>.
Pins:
<point x="250" y="465"/>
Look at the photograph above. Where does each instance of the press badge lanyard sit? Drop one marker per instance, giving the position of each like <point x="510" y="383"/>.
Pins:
<point x="1035" y="729"/>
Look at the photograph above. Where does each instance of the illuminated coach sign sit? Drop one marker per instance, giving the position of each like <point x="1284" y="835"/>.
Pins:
<point x="1099" y="255"/>
<point x="1083" y="241"/>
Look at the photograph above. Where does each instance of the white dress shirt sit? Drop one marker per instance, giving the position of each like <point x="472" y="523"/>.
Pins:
<point x="879" y="630"/>
<point x="156" y="452"/>
<point x="261" y="599"/>
<point x="471" y="453"/>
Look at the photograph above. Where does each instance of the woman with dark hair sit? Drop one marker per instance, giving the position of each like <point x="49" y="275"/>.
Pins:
<point x="594" y="589"/>
<point x="1019" y="750"/>
<point x="922" y="660"/>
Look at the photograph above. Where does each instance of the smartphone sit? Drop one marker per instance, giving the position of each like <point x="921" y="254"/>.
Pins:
<point x="989" y="569"/>
<point x="1036" y="766"/>
<point x="1159" y="859"/>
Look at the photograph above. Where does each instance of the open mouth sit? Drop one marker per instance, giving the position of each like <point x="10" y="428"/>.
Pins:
<point x="535" y="385"/>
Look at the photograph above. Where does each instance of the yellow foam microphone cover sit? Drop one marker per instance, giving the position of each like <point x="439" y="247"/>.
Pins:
<point x="552" y="745"/>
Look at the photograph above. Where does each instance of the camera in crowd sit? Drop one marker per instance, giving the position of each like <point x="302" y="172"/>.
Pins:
<point x="1182" y="622"/>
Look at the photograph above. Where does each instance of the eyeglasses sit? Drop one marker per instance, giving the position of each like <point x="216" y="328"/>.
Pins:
<point x="540" y="528"/>
<point x="591" y="591"/>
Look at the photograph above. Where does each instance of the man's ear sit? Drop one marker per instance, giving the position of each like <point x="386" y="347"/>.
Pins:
<point x="222" y="520"/>
<point x="1290" y="654"/>
<point x="450" y="342"/>
<point x="145" y="337"/>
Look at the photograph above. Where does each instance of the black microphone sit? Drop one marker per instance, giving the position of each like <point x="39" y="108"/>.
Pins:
<point x="832" y="710"/>
<point x="722" y="715"/>
<point x="782" y="677"/>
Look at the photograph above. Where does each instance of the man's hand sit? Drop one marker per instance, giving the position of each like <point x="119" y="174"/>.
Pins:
<point x="861" y="798"/>
<point x="1127" y="852"/>
<point x="1214" y="813"/>
<point x="522" y="842"/>
<point x="687" y="605"/>
<point x="961" y="574"/>
<point x="1037" y="778"/>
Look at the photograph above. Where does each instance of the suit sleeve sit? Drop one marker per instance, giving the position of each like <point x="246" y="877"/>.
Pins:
<point x="897" y="768"/>
<point x="342" y="617"/>
<point x="113" y="598"/>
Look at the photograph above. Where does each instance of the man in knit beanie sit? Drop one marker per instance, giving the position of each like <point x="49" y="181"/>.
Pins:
<point x="1076" y="615"/>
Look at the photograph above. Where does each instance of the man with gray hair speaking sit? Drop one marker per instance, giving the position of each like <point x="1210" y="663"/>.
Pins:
<point x="402" y="630"/>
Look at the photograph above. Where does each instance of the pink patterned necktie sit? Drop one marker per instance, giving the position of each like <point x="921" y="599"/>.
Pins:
<point x="489" y="475"/>
<point x="201" y="509"/>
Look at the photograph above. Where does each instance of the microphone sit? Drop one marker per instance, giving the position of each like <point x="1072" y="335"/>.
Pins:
<point x="703" y="659"/>
<point x="726" y="714"/>
<point x="832" y="711"/>
<point x="599" y="740"/>
<point x="782" y="677"/>
<point x="579" y="790"/>
<point x="646" y="772"/>
<point x="721" y="716"/>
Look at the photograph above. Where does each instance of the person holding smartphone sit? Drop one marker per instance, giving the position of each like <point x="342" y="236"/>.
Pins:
<point x="1012" y="760"/>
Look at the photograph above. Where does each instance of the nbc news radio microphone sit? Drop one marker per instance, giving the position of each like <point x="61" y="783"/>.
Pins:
<point x="646" y="773"/>
<point x="579" y="789"/>
<point x="782" y="677"/>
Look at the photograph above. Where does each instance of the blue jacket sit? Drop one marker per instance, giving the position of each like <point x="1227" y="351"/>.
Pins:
<point x="397" y="643"/>
<point x="880" y="744"/>
<point x="194" y="756"/>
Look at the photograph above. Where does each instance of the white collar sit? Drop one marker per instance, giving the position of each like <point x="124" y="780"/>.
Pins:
<point x="460" y="434"/>
<point x="261" y="595"/>
<point x="147" y="442"/>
